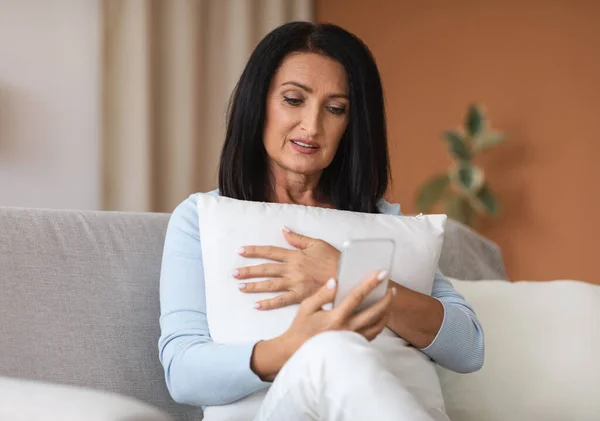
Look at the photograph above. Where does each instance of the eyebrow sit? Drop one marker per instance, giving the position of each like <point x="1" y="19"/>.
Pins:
<point x="309" y="89"/>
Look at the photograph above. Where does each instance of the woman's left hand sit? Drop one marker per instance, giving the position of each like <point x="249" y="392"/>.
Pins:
<point x="298" y="273"/>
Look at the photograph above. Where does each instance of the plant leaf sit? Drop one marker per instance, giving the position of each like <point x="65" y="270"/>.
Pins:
<point x="487" y="198"/>
<point x="457" y="145"/>
<point x="467" y="178"/>
<point x="459" y="209"/>
<point x="431" y="191"/>
<point x="474" y="124"/>
<point x="486" y="140"/>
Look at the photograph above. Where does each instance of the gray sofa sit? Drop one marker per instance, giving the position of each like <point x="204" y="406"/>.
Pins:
<point x="80" y="307"/>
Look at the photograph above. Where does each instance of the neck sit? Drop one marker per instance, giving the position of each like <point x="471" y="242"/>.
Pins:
<point x="299" y="189"/>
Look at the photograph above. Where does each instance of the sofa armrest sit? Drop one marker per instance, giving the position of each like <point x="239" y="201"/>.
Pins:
<point x="29" y="400"/>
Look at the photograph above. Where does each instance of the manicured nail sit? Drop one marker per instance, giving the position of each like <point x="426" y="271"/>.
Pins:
<point x="242" y="286"/>
<point x="286" y="229"/>
<point x="331" y="284"/>
<point x="256" y="305"/>
<point x="241" y="250"/>
<point x="382" y="275"/>
<point x="235" y="273"/>
<point x="394" y="291"/>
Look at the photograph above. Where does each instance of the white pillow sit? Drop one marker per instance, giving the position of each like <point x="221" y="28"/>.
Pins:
<point x="226" y="224"/>
<point x="542" y="355"/>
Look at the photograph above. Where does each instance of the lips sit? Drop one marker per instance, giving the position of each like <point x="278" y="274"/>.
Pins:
<point x="304" y="146"/>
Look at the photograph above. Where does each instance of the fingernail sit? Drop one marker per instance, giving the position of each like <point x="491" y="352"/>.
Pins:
<point x="256" y="305"/>
<point x="382" y="275"/>
<point x="242" y="286"/>
<point x="241" y="250"/>
<point x="394" y="291"/>
<point x="286" y="229"/>
<point x="235" y="273"/>
<point x="331" y="284"/>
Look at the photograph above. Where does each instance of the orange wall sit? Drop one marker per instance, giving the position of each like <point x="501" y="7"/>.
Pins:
<point x="536" y="67"/>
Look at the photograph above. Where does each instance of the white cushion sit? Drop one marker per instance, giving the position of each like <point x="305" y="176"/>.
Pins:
<point x="227" y="224"/>
<point x="541" y="357"/>
<point x="29" y="400"/>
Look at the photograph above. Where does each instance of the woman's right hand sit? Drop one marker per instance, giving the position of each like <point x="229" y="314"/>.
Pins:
<point x="269" y="356"/>
<point x="312" y="320"/>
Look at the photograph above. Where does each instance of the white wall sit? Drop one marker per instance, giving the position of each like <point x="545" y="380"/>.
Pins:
<point x="50" y="103"/>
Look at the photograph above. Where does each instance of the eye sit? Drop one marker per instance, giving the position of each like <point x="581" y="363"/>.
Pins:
<point x="336" y="110"/>
<point x="294" y="102"/>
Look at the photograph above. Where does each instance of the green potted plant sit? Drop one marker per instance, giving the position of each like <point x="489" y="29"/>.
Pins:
<point x="463" y="189"/>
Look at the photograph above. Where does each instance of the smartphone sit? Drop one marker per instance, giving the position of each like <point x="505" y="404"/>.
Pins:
<point x="360" y="258"/>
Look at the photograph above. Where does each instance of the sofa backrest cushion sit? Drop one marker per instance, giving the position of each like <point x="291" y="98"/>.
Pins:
<point x="80" y="303"/>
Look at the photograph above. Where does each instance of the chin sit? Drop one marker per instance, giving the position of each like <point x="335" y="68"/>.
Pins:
<point x="303" y="168"/>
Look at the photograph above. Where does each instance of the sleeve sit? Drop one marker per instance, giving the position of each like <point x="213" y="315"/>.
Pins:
<point x="198" y="371"/>
<point x="459" y="344"/>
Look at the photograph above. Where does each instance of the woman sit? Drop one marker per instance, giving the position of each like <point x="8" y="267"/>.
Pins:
<point x="306" y="126"/>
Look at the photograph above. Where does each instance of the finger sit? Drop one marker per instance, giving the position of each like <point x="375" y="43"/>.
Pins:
<point x="270" y="285"/>
<point x="277" y="254"/>
<point x="372" y="331"/>
<point x="324" y="295"/>
<point x="297" y="240"/>
<point x="259" y="271"/>
<point x="371" y="315"/>
<point x="346" y="308"/>
<point x="282" y="300"/>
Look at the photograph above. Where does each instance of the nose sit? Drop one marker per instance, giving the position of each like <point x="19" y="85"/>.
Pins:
<point x="312" y="120"/>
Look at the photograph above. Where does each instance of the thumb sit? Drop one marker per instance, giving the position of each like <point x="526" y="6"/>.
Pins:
<point x="324" y="295"/>
<point x="297" y="240"/>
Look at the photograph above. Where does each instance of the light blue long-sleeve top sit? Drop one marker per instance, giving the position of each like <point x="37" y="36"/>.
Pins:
<point x="201" y="372"/>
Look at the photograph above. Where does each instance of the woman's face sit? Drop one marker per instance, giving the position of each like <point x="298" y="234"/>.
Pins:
<point x="306" y="113"/>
